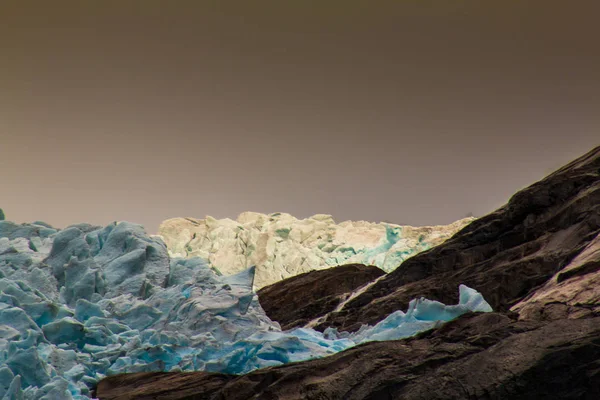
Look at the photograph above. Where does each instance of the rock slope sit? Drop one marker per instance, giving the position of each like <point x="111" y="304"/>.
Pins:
<point x="281" y="246"/>
<point x="536" y="260"/>
<point x="295" y="301"/>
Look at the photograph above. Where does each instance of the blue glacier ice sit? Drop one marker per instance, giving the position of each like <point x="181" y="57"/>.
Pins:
<point x="85" y="302"/>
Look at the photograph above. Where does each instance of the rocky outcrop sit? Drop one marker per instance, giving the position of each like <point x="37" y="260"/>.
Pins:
<point x="573" y="292"/>
<point x="281" y="246"/>
<point x="159" y="385"/>
<point x="296" y="301"/>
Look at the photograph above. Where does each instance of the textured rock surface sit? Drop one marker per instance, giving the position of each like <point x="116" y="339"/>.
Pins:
<point x="537" y="256"/>
<point x="573" y="292"/>
<point x="295" y="301"/>
<point x="281" y="246"/>
<point x="157" y="385"/>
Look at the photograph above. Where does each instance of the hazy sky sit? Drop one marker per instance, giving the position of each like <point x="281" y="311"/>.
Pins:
<point x="415" y="112"/>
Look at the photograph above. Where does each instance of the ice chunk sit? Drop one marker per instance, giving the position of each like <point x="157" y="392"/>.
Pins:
<point x="12" y="231"/>
<point x="65" y="330"/>
<point x="422" y="314"/>
<point x="14" y="391"/>
<point x="6" y="378"/>
<point x="85" y="310"/>
<point x="473" y="300"/>
<point x="28" y="364"/>
<point x="17" y="318"/>
<point x="82" y="280"/>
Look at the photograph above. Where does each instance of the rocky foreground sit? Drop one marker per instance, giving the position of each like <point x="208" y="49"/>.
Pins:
<point x="536" y="261"/>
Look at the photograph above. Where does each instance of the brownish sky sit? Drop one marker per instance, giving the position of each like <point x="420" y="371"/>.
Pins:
<point x="414" y="112"/>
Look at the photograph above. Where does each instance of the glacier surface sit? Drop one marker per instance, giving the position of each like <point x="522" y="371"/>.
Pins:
<point x="281" y="246"/>
<point x="79" y="304"/>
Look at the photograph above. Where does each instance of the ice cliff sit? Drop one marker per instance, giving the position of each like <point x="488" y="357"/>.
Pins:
<point x="282" y="246"/>
<point x="86" y="302"/>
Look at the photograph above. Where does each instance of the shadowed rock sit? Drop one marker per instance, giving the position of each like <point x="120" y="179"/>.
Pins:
<point x="295" y="301"/>
<point x="158" y="385"/>
<point x="572" y="293"/>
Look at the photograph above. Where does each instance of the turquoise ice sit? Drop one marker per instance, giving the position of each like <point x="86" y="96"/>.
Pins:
<point x="86" y="302"/>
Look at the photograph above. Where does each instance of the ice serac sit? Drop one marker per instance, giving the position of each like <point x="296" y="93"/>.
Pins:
<point x="282" y="246"/>
<point x="86" y="302"/>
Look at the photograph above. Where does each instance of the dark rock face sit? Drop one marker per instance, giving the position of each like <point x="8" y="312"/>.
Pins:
<point x="295" y="301"/>
<point x="536" y="261"/>
<point x="159" y="385"/>
<point x="573" y="292"/>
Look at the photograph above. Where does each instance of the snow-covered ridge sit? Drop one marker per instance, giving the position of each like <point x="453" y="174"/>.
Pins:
<point x="282" y="246"/>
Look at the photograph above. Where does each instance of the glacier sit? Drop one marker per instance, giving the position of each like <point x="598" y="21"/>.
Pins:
<point x="86" y="302"/>
<point x="282" y="246"/>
